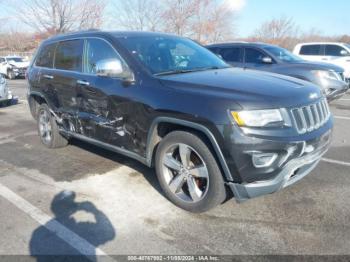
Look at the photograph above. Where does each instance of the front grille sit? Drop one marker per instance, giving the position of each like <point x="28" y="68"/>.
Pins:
<point x="311" y="117"/>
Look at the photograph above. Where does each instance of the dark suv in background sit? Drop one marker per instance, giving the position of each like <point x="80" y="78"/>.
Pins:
<point x="271" y="58"/>
<point x="168" y="102"/>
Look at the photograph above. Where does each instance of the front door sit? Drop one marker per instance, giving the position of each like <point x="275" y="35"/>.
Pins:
<point x="101" y="99"/>
<point x="253" y="59"/>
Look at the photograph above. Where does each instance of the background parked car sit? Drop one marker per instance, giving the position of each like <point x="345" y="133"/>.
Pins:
<point x="265" y="57"/>
<point x="13" y="66"/>
<point x="335" y="53"/>
<point x="5" y="94"/>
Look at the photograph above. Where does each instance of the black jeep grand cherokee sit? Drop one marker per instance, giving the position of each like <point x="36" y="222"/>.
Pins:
<point x="170" y="103"/>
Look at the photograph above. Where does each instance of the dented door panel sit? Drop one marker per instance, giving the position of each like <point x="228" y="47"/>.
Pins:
<point x="104" y="110"/>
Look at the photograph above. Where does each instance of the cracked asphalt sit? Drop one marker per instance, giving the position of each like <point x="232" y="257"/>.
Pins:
<point x="108" y="204"/>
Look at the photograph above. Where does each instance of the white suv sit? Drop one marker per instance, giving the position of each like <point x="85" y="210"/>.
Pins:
<point x="334" y="53"/>
<point x="13" y="66"/>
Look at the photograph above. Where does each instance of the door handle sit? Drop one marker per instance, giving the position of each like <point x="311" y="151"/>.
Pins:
<point x="83" y="83"/>
<point x="48" y="76"/>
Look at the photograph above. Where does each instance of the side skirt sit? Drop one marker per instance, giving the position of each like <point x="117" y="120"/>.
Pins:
<point x="109" y="147"/>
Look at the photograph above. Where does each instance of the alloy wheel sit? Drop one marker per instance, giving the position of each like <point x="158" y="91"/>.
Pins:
<point x="45" y="127"/>
<point x="185" y="173"/>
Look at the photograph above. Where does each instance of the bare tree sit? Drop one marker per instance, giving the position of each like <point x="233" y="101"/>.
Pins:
<point x="203" y="20"/>
<point x="344" y="38"/>
<point x="214" y="21"/>
<point x="59" y="16"/>
<point x="278" y="31"/>
<point x="138" y="15"/>
<point x="178" y="15"/>
<point x="18" y="41"/>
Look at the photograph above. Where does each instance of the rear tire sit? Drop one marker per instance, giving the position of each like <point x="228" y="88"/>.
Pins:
<point x="188" y="172"/>
<point x="48" y="129"/>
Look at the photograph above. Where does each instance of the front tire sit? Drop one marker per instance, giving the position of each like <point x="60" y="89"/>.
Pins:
<point x="48" y="129"/>
<point x="188" y="172"/>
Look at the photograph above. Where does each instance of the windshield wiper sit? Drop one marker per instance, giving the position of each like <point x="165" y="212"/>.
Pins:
<point x="183" y="71"/>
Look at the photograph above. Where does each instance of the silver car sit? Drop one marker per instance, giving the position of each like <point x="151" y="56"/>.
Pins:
<point x="5" y="94"/>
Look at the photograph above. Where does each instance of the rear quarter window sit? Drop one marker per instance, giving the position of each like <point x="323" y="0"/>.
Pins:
<point x="45" y="56"/>
<point x="310" y="50"/>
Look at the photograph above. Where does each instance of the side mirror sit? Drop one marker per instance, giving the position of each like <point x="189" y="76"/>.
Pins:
<point x="109" y="68"/>
<point x="267" y="60"/>
<point x="114" y="68"/>
<point x="344" y="53"/>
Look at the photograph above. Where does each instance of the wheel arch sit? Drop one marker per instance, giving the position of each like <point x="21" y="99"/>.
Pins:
<point x="35" y="99"/>
<point x="173" y="124"/>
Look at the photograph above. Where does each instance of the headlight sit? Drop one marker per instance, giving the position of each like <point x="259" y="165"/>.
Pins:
<point x="327" y="75"/>
<point x="261" y="118"/>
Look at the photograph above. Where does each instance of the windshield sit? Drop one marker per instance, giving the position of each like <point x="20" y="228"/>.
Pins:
<point x="15" y="59"/>
<point x="283" y="54"/>
<point x="169" y="55"/>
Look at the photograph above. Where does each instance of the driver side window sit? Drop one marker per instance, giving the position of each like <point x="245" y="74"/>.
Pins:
<point x="335" y="50"/>
<point x="253" y="56"/>
<point x="97" y="50"/>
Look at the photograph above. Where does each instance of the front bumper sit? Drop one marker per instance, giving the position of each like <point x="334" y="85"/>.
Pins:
<point x="292" y="172"/>
<point x="20" y="72"/>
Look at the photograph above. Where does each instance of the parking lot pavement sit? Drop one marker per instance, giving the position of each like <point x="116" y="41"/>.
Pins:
<point x="88" y="200"/>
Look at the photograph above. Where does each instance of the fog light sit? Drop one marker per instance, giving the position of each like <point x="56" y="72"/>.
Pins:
<point x="261" y="160"/>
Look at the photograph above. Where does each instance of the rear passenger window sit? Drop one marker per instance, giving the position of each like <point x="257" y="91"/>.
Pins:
<point x="69" y="55"/>
<point x="253" y="56"/>
<point x="335" y="50"/>
<point x="310" y="50"/>
<point x="96" y="51"/>
<point x="231" y="54"/>
<point x="46" y="55"/>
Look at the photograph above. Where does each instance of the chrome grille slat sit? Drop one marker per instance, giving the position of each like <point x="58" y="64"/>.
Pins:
<point x="317" y="116"/>
<point x="302" y="117"/>
<point x="311" y="117"/>
<point x="324" y="111"/>
<point x="324" y="105"/>
<point x="320" y="108"/>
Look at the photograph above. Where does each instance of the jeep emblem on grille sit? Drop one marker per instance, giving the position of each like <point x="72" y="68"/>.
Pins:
<point x="313" y="96"/>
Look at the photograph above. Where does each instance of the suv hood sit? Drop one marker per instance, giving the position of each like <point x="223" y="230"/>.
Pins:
<point x="249" y="88"/>
<point x="19" y="64"/>
<point x="317" y="66"/>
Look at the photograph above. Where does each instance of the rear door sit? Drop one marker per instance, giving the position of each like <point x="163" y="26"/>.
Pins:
<point x="41" y="73"/>
<point x="68" y="69"/>
<point x="232" y="55"/>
